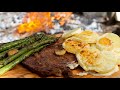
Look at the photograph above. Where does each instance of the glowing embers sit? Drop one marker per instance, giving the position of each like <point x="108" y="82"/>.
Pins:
<point x="35" y="21"/>
<point x="42" y="21"/>
<point x="62" y="17"/>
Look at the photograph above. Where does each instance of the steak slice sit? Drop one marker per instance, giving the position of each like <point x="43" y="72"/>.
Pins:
<point x="46" y="63"/>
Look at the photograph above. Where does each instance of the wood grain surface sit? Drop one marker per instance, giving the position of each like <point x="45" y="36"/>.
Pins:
<point x="20" y="72"/>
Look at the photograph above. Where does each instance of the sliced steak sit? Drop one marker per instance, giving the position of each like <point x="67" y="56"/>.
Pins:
<point x="47" y="63"/>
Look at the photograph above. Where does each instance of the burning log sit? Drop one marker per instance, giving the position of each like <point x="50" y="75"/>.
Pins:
<point x="42" y="21"/>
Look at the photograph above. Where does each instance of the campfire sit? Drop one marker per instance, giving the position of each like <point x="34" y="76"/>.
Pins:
<point x="42" y="21"/>
<point x="17" y="25"/>
<point x="57" y="43"/>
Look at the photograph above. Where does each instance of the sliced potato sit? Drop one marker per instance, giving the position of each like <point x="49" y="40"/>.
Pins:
<point x="117" y="54"/>
<point x="88" y="57"/>
<point x="93" y="60"/>
<point x="116" y="69"/>
<point x="100" y="54"/>
<point x="70" y="33"/>
<point x="74" y="45"/>
<point x="108" y="41"/>
<point x="88" y="36"/>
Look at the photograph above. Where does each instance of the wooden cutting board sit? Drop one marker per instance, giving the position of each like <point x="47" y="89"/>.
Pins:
<point x="20" y="72"/>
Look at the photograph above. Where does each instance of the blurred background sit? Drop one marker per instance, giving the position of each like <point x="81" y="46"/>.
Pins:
<point x="16" y="25"/>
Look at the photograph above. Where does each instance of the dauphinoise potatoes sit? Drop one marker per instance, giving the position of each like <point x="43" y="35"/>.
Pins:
<point x="88" y="36"/>
<point x="108" y="41"/>
<point x="100" y="54"/>
<point x="70" y="33"/>
<point x="101" y="62"/>
<point x="117" y="51"/>
<point x="74" y="45"/>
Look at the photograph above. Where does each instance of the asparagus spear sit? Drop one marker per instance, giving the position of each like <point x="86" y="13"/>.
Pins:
<point x="9" y="45"/>
<point x="19" y="59"/>
<point x="30" y="40"/>
<point x="43" y="41"/>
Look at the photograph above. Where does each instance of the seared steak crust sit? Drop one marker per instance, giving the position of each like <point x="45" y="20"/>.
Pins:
<point x="47" y="63"/>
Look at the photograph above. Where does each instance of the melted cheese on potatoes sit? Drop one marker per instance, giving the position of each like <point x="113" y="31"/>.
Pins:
<point x="74" y="45"/>
<point x="108" y="41"/>
<point x="88" y="36"/>
<point x="93" y="60"/>
<point x="94" y="53"/>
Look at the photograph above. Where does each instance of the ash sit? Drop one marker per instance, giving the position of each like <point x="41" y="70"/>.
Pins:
<point x="10" y="19"/>
<point x="92" y="21"/>
<point x="8" y="23"/>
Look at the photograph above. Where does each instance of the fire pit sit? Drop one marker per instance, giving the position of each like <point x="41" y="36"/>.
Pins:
<point x="17" y="25"/>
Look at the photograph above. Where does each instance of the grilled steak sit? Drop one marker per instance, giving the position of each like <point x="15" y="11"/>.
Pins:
<point x="47" y="63"/>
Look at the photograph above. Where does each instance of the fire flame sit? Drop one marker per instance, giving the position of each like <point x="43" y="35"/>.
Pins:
<point x="62" y="17"/>
<point x="41" y="21"/>
<point x="35" y="21"/>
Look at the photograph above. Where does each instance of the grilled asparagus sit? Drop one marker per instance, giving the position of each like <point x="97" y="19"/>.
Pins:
<point x="29" y="40"/>
<point x="43" y="41"/>
<point x="9" y="45"/>
<point x="19" y="59"/>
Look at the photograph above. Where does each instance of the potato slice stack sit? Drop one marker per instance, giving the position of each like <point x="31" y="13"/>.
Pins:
<point x="97" y="54"/>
